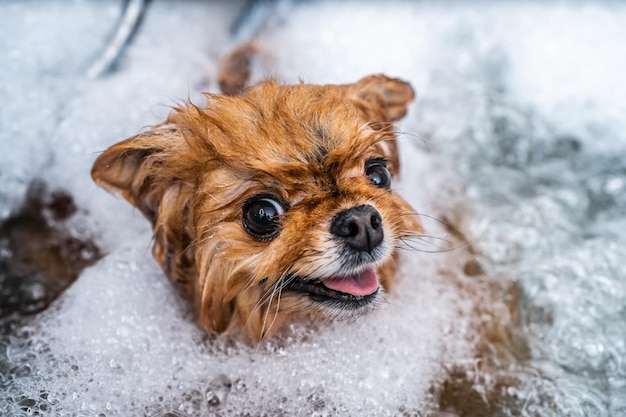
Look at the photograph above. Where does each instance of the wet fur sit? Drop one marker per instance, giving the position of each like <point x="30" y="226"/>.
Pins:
<point x="306" y="144"/>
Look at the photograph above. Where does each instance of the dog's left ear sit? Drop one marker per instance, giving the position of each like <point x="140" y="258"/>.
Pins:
<point x="381" y="99"/>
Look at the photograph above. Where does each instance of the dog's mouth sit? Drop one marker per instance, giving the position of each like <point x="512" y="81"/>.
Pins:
<point x="348" y="291"/>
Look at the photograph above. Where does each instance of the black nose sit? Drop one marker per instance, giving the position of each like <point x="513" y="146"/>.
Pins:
<point x="361" y="226"/>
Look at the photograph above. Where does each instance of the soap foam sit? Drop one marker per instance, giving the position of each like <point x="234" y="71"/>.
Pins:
<point x="512" y="142"/>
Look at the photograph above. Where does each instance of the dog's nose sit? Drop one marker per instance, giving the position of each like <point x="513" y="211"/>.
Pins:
<point x="361" y="227"/>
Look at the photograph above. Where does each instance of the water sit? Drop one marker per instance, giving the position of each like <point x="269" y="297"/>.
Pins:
<point x="516" y="142"/>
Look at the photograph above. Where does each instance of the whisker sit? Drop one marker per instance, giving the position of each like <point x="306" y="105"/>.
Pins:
<point x="451" y="229"/>
<point x="267" y="298"/>
<point x="422" y="238"/>
<point x="444" y="223"/>
<point x="410" y="246"/>
<point x="263" y="332"/>
<point x="425" y="143"/>
<point x="267" y="311"/>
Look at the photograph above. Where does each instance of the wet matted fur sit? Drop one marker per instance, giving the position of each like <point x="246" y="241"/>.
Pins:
<point x="258" y="200"/>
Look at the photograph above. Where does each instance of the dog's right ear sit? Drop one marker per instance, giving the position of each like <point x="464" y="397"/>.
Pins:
<point x="140" y="169"/>
<point x="126" y="168"/>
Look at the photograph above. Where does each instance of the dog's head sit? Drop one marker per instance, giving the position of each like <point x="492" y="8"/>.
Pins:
<point x="273" y="204"/>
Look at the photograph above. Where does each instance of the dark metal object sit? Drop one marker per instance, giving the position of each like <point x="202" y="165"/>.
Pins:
<point x="253" y="17"/>
<point x="128" y="24"/>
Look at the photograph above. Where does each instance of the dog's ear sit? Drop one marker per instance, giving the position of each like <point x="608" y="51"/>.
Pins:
<point x="137" y="169"/>
<point x="381" y="99"/>
<point x="127" y="168"/>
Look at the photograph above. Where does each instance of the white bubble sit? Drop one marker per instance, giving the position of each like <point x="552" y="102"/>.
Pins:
<point x="516" y="140"/>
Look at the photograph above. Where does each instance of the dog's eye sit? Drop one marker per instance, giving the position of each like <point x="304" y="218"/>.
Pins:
<point x="260" y="217"/>
<point x="378" y="174"/>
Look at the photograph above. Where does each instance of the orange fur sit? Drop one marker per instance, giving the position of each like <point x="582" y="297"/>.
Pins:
<point x="307" y="145"/>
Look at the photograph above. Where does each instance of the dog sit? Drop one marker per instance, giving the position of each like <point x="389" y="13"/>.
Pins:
<point x="275" y="204"/>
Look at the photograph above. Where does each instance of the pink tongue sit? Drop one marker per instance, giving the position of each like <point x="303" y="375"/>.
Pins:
<point x="363" y="283"/>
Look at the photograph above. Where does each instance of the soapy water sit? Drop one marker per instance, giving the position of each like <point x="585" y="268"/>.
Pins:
<point x="41" y="253"/>
<point x="513" y="143"/>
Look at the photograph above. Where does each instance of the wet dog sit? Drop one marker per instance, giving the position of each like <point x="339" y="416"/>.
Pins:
<point x="274" y="204"/>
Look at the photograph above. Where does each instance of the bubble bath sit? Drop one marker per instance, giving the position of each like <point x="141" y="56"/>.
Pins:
<point x="513" y="154"/>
